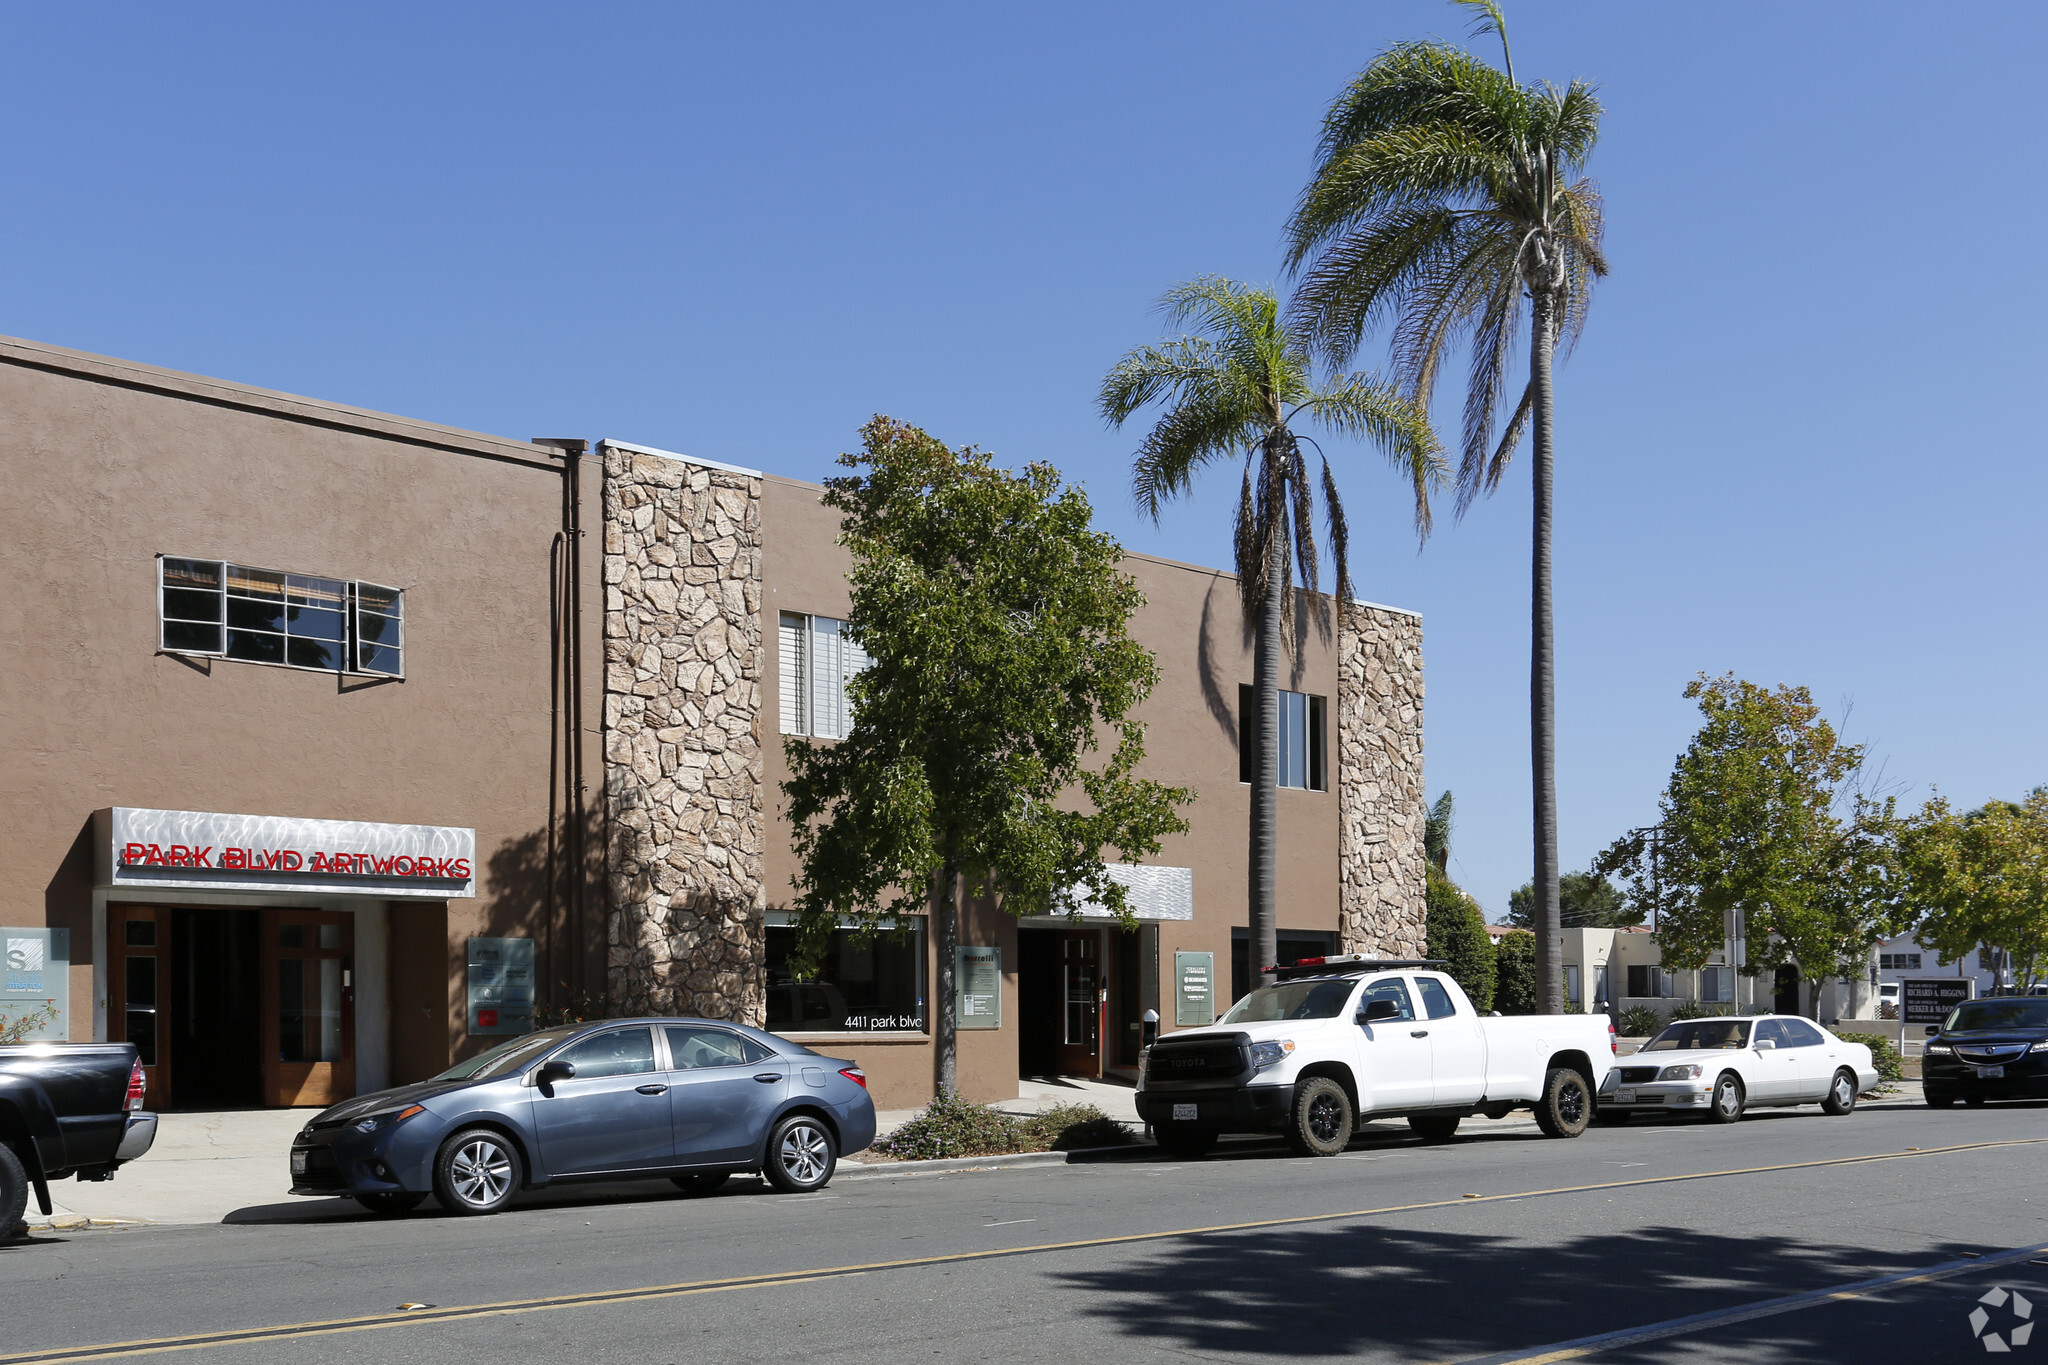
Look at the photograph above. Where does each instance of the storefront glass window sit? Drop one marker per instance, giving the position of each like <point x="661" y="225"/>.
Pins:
<point x="870" y="983"/>
<point x="267" y="616"/>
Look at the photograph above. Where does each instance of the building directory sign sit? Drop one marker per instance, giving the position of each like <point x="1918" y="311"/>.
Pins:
<point x="978" y="988"/>
<point x="1928" y="1000"/>
<point x="1194" y="989"/>
<point x="35" y="975"/>
<point x="501" y="985"/>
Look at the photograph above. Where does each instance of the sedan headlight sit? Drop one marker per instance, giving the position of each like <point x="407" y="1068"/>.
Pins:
<point x="1270" y="1053"/>
<point x="1938" y="1049"/>
<point x="386" y="1118"/>
<point x="2041" y="1046"/>
<point x="1681" y="1072"/>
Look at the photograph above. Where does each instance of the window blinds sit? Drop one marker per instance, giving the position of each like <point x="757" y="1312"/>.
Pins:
<point x="817" y="661"/>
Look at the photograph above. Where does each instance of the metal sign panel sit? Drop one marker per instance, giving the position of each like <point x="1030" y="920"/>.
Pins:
<point x="977" y="987"/>
<point x="500" y="985"/>
<point x="1194" y="989"/>
<point x="35" y="975"/>
<point x="1153" y="892"/>
<point x="1928" y="1001"/>
<point x="201" y="850"/>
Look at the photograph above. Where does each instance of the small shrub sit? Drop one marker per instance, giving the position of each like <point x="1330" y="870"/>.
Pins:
<point x="950" y="1127"/>
<point x="1695" y="1009"/>
<point x="1638" y="1021"/>
<point x="1890" y="1066"/>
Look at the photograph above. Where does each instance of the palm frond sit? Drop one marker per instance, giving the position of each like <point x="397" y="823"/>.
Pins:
<point x="1340" y="537"/>
<point x="1359" y="406"/>
<point x="1489" y="19"/>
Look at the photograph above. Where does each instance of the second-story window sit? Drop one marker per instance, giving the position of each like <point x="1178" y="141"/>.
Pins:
<point x="268" y="616"/>
<point x="1302" y="741"/>
<point x="817" y="661"/>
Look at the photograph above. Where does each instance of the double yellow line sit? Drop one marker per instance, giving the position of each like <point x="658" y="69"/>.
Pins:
<point x="377" y="1322"/>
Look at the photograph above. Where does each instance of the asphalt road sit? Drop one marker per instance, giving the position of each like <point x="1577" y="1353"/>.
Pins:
<point x="1378" y="1254"/>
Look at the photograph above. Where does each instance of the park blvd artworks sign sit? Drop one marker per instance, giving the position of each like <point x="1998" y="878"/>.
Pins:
<point x="204" y="850"/>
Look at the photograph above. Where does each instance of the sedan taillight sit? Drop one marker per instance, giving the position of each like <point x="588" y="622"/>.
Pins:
<point x="856" y="1075"/>
<point x="138" y="1085"/>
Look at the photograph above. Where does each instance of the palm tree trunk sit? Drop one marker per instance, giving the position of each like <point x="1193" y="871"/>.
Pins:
<point x="1262" y="946"/>
<point x="945" y="1050"/>
<point x="1542" y="677"/>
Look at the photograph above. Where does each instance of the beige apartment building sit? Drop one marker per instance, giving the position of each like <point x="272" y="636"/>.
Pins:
<point x="339" y="745"/>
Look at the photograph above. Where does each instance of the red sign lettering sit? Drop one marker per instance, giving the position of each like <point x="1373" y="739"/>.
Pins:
<point x="295" y="860"/>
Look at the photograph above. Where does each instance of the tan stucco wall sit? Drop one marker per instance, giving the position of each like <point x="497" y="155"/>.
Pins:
<point x="107" y="464"/>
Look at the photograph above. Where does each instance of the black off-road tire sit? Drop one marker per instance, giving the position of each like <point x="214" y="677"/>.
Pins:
<point x="13" y="1193"/>
<point x="477" y="1171"/>
<point x="1184" y="1142"/>
<point x="1567" y="1103"/>
<point x="1321" y="1121"/>
<point x="1435" y="1127"/>
<point x="1728" y="1099"/>
<point x="391" y="1203"/>
<point x="801" y="1155"/>
<point x="701" y="1182"/>
<point x="1841" y="1094"/>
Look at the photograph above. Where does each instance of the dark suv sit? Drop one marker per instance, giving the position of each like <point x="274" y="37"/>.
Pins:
<point x="1993" y="1049"/>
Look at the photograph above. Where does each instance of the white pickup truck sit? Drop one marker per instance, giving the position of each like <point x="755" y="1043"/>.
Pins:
<point x="1339" y="1040"/>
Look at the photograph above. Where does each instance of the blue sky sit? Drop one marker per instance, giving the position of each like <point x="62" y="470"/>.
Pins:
<point x="1799" y="441"/>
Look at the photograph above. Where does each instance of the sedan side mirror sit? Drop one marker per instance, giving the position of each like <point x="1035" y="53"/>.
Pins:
<point x="1765" y="1045"/>
<point x="1377" y="1010"/>
<point x="554" y="1071"/>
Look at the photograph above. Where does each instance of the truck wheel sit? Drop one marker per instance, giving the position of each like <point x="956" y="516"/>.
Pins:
<point x="1321" y="1122"/>
<point x="1567" y="1104"/>
<point x="1729" y="1099"/>
<point x="13" y="1193"/>
<point x="1184" y="1142"/>
<point x="1841" y="1095"/>
<point x="1435" y="1127"/>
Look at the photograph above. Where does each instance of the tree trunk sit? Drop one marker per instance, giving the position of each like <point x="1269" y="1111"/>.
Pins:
<point x="1542" y="679"/>
<point x="946" y="933"/>
<point x="1262" y="947"/>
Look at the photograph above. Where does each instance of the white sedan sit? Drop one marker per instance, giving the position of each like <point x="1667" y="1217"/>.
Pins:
<point x="1720" y="1067"/>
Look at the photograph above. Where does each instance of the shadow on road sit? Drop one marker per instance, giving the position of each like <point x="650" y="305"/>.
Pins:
<point x="565" y="1196"/>
<point x="1346" y="1290"/>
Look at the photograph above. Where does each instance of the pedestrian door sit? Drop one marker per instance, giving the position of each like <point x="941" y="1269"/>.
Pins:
<point x="138" y="991"/>
<point x="309" y="1045"/>
<point x="1081" y="1003"/>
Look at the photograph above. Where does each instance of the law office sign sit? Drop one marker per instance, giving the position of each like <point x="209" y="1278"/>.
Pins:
<point x="1929" y="999"/>
<point x="203" y="850"/>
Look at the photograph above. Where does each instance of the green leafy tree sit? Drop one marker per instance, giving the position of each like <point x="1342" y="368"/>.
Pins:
<point x="1455" y="928"/>
<point x="997" y="623"/>
<point x="1762" y="827"/>
<point x="1236" y="386"/>
<point x="1514" y="990"/>
<point x="1445" y="193"/>
<point x="1981" y="879"/>
<point x="1586" y="900"/>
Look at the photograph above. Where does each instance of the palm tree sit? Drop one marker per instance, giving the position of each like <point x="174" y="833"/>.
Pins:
<point x="1236" y="384"/>
<point x="1444" y="194"/>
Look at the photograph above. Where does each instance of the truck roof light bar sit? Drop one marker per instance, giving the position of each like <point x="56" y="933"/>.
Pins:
<point x="1351" y="964"/>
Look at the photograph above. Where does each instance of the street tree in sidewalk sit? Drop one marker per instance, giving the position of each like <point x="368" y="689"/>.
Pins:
<point x="1762" y="824"/>
<point x="1446" y="193"/>
<point x="1981" y="879"/>
<point x="1514" y="958"/>
<point x="997" y="624"/>
<point x="1585" y="900"/>
<point x="1454" y="926"/>
<point x="1234" y="388"/>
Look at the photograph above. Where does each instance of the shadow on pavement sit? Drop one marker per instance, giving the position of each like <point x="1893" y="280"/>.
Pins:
<point x="566" y="1196"/>
<point x="1350" y="1290"/>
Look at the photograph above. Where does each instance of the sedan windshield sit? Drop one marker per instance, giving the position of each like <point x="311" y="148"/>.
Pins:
<point x="504" y="1059"/>
<point x="1293" y="1000"/>
<point x="1998" y="1013"/>
<point x="1702" y="1035"/>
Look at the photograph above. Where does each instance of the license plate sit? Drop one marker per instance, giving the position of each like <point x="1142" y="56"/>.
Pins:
<point x="298" y="1163"/>
<point x="1624" y="1097"/>
<point x="1185" y="1111"/>
<point x="1990" y="1073"/>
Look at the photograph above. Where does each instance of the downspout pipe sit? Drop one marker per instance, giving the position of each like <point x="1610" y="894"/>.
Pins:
<point x="573" y="449"/>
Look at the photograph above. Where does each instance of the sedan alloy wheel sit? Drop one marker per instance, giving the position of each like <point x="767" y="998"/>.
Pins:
<point x="800" y="1155"/>
<point x="478" y="1171"/>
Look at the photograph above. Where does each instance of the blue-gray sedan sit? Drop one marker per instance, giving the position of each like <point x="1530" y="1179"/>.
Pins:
<point x="691" y="1099"/>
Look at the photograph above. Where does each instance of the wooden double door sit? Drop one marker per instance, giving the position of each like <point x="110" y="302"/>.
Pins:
<point x="232" y="1007"/>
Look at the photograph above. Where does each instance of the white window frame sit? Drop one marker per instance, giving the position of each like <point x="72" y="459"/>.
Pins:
<point x="352" y="611"/>
<point x="816" y="662"/>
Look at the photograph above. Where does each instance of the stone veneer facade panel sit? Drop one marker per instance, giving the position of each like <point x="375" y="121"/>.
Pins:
<point x="1380" y="801"/>
<point x="682" y="737"/>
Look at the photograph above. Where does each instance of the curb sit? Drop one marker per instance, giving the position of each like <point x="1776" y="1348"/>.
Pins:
<point x="850" y="1169"/>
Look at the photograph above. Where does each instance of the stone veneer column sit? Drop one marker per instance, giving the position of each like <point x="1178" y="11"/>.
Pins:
<point x="682" y="742"/>
<point x="1380" y="802"/>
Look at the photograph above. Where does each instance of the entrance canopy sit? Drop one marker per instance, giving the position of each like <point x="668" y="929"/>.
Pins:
<point x="1155" y="892"/>
<point x="205" y="851"/>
